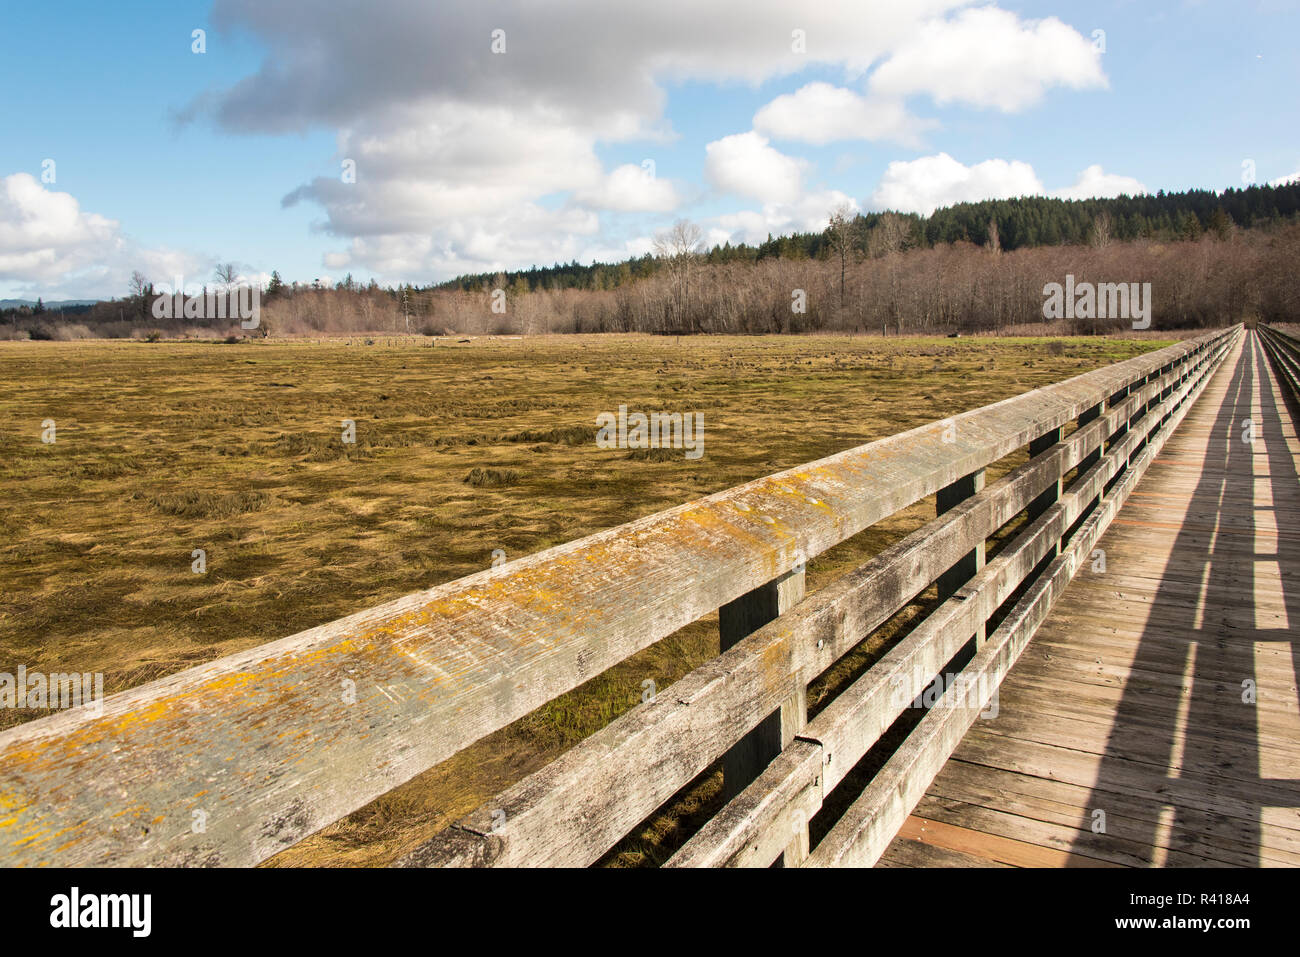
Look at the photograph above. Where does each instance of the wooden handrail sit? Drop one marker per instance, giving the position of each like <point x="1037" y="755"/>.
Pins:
<point x="1283" y="351"/>
<point x="274" y="743"/>
<point x="571" y="811"/>
<point x="795" y="786"/>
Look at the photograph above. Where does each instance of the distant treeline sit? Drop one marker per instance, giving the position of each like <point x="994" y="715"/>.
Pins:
<point x="1212" y="259"/>
<point x="1019" y="223"/>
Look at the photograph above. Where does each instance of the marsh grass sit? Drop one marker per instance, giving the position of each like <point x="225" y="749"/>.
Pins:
<point x="195" y="503"/>
<point x="564" y="435"/>
<point x="655" y="455"/>
<point x="491" y="478"/>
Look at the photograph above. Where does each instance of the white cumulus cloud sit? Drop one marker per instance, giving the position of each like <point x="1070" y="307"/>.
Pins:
<point x="458" y="147"/>
<point x="923" y="185"/>
<point x="1096" y="183"/>
<point x="746" y="165"/>
<point x="51" y="247"/>
<point x="631" y="188"/>
<point x="989" y="57"/>
<point x="822" y="113"/>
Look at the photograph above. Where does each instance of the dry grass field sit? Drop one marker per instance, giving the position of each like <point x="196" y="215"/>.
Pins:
<point x="462" y="448"/>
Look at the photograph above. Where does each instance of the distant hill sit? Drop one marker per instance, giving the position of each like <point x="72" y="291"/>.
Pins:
<point x="53" y="304"/>
<point x="1026" y="222"/>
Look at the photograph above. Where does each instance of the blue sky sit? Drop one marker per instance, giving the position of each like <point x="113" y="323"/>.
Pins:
<point x="168" y="160"/>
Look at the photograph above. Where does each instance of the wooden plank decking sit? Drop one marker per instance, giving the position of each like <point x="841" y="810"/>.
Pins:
<point x="1122" y="737"/>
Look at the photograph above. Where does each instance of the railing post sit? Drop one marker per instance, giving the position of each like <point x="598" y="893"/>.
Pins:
<point x="1153" y="427"/>
<point x="1050" y="495"/>
<point x="1160" y="396"/>
<point x="1088" y="461"/>
<point x="1121" y="429"/>
<point x="948" y="498"/>
<point x="751" y="754"/>
<point x="1138" y="414"/>
<point x="1086" y="416"/>
<point x="1176" y="381"/>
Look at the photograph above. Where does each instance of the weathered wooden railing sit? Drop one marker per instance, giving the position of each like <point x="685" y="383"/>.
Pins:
<point x="268" y="746"/>
<point x="1283" y="350"/>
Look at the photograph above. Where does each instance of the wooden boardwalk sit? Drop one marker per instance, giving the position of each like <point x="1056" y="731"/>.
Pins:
<point x="1127" y="733"/>
<point x="1153" y="720"/>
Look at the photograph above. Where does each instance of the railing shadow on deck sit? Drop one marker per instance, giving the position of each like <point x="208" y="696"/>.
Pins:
<point x="1193" y="710"/>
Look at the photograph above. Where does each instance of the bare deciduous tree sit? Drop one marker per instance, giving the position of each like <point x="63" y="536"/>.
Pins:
<point x="1101" y="230"/>
<point x="679" y="247"/>
<point x="889" y="236"/>
<point x="138" y="289"/>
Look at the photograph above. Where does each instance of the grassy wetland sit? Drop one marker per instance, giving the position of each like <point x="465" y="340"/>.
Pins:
<point x="464" y="450"/>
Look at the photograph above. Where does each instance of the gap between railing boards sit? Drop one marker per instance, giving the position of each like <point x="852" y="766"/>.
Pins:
<point x="573" y="810"/>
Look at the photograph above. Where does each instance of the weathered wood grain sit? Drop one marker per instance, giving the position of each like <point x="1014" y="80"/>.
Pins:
<point x="573" y="810"/>
<point x="856" y="719"/>
<point x="861" y="836"/>
<point x="746" y="759"/>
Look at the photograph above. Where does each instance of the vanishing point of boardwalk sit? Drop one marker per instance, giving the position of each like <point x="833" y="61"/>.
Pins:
<point x="1153" y="719"/>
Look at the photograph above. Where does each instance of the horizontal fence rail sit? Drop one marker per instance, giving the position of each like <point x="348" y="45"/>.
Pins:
<point x="270" y="748"/>
<point x="1283" y="351"/>
<point x="793" y="788"/>
<point x="572" y="811"/>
